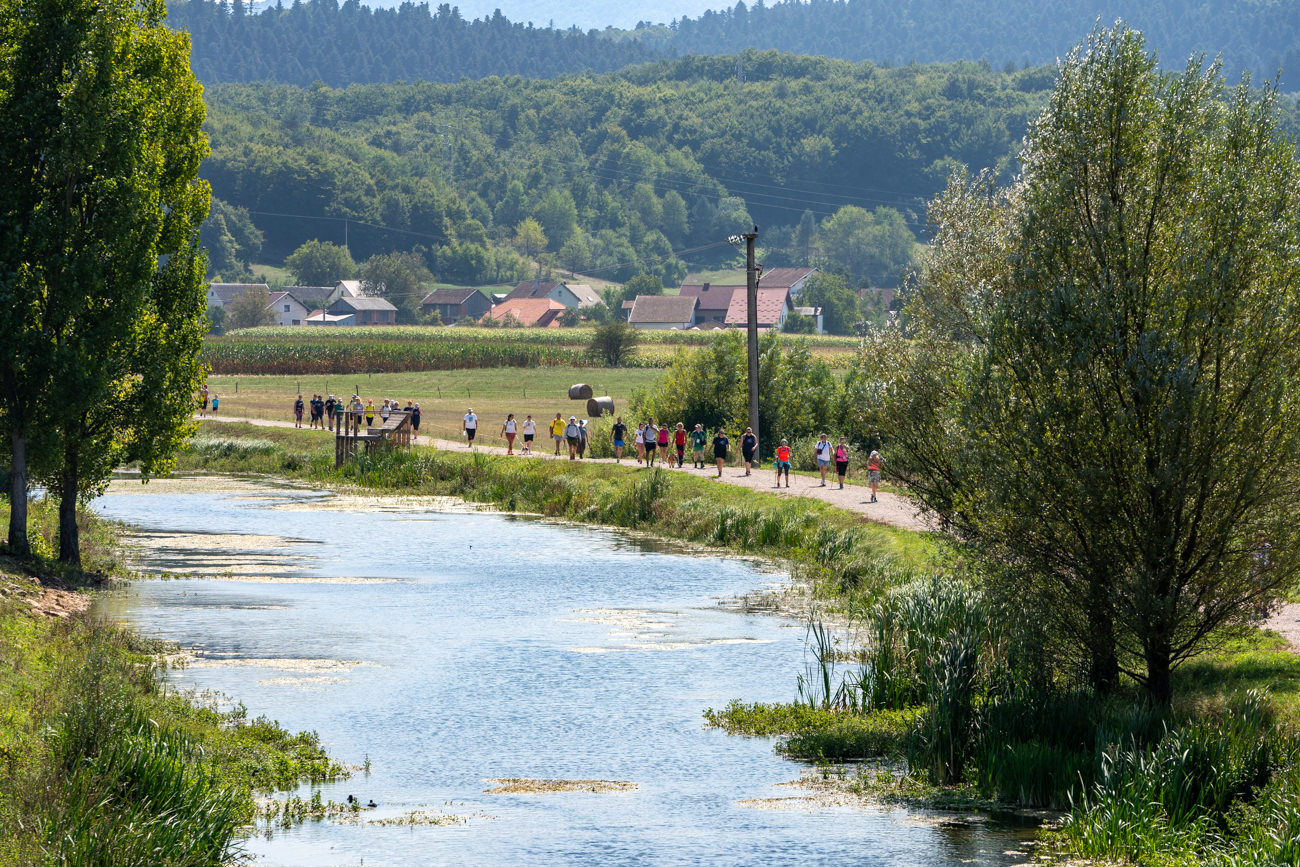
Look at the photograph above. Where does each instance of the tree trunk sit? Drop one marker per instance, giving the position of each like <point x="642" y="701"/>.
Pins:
<point x="69" y="532"/>
<point x="1103" y="669"/>
<point x="18" y="543"/>
<point x="1159" y="688"/>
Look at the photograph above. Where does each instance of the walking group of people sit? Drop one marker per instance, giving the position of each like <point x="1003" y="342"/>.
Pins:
<point x="214" y="399"/>
<point x="665" y="442"/>
<point x="331" y="413"/>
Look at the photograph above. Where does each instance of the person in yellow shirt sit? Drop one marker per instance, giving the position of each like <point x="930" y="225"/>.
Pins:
<point x="557" y="432"/>
<point x="370" y="413"/>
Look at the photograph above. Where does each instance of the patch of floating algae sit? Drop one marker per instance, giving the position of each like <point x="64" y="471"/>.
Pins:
<point x="524" y="786"/>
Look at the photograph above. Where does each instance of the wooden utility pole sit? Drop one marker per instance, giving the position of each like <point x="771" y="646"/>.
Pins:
<point x="751" y="304"/>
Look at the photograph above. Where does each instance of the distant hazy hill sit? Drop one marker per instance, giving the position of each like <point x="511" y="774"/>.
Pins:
<point x="350" y="43"/>
<point x="585" y="14"/>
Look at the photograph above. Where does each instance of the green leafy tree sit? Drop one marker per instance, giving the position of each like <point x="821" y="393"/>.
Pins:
<point x="529" y="238"/>
<point x="613" y="342"/>
<point x="251" y="310"/>
<point x="866" y="246"/>
<point x="674" y="221"/>
<point x="576" y="253"/>
<point x="399" y="278"/>
<point x="797" y="323"/>
<point x="216" y="320"/>
<point x="558" y="216"/>
<point x="320" y="263"/>
<point x="839" y="303"/>
<point x="101" y="279"/>
<point x="1105" y="362"/>
<point x="641" y="284"/>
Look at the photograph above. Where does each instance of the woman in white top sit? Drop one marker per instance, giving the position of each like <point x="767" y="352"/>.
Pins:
<point x="639" y="441"/>
<point x="530" y="430"/>
<point x="823" y="453"/>
<point x="385" y="411"/>
<point x="509" y="430"/>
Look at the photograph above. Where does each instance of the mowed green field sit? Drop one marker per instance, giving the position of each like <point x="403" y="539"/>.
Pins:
<point x="443" y="395"/>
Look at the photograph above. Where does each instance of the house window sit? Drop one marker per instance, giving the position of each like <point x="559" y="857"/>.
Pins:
<point x="286" y="308"/>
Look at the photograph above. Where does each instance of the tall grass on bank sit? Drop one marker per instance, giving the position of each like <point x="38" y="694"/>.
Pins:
<point x="99" y="762"/>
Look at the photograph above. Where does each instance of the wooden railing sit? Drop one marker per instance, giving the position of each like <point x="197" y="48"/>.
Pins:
<point x="350" y="435"/>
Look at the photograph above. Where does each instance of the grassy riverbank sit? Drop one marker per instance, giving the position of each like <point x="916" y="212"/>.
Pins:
<point x="100" y="763"/>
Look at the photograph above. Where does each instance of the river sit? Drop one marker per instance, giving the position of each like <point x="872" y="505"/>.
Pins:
<point x="450" y="648"/>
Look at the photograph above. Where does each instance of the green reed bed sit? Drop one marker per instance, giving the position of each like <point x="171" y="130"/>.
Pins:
<point x="99" y="762"/>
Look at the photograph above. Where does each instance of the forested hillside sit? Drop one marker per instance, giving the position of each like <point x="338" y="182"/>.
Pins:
<point x="621" y="173"/>
<point x="340" y="45"/>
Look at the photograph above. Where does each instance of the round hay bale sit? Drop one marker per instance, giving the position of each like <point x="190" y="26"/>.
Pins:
<point x="581" y="391"/>
<point x="598" y="406"/>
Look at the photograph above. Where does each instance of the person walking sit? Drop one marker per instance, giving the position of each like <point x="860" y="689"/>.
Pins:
<point x="651" y="442"/>
<point x="822" y="452"/>
<point x="617" y="435"/>
<point x="415" y="422"/>
<point x="698" y="439"/>
<point x="358" y="410"/>
<point x="783" y="463"/>
<point x="329" y="412"/>
<point x="679" y="440"/>
<point x="842" y="460"/>
<point x="216" y="403"/>
<point x="639" y="441"/>
<point x="663" y="437"/>
<point x="469" y="424"/>
<point x="297" y="412"/>
<point x="572" y="433"/>
<point x="748" y="445"/>
<point x="203" y="413"/>
<point x="583" y="434"/>
<point x="530" y="431"/>
<point x="557" y="432"/>
<point x="873" y="472"/>
<point x="508" y="429"/>
<point x="720" y="444"/>
<point x="370" y="413"/>
<point x="384" y="412"/>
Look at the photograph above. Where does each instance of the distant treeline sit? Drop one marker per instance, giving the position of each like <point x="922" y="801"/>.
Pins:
<point x="624" y="173"/>
<point x="340" y="45"/>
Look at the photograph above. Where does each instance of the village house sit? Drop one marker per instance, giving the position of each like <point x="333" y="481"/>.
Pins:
<point x="713" y="302"/>
<point x="364" y="311"/>
<point x="288" y="310"/>
<point x="221" y="294"/>
<point x="579" y="295"/>
<point x="344" y="289"/>
<point x="663" y="312"/>
<point x="530" y="312"/>
<point x="793" y="279"/>
<point x="774" y="305"/>
<point x="815" y="314"/>
<point x="455" y="304"/>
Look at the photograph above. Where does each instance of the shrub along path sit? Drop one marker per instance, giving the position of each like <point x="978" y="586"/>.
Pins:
<point x="890" y="509"/>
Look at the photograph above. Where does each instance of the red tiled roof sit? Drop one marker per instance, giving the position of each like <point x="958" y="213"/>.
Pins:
<point x="770" y="302"/>
<point x="538" y="312"/>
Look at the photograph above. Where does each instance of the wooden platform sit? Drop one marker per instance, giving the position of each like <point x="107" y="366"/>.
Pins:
<point x="351" y="437"/>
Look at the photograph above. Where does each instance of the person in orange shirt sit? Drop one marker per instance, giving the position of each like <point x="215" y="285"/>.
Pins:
<point x="783" y="463"/>
<point x="873" y="472"/>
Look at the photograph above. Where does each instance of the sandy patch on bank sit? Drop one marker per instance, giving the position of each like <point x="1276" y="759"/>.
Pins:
<point x="302" y="666"/>
<point x="523" y="786"/>
<point x="1285" y="621"/>
<point x="204" y="485"/>
<point x="391" y="504"/>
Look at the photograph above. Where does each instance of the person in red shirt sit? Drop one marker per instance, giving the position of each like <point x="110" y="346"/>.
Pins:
<point x="679" y="440"/>
<point x="873" y="472"/>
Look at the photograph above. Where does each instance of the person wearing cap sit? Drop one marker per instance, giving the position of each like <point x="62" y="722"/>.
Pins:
<point x="873" y="472"/>
<point x="583" y="434"/>
<point x="783" y="463"/>
<point x="651" y="442"/>
<point x="822" y="452"/>
<point x="572" y="433"/>
<point x="557" y="432"/>
<point x="698" y="439"/>
<point x="470" y="426"/>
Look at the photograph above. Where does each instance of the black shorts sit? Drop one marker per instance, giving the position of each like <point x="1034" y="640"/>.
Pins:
<point x="469" y="433"/>
<point x="748" y="455"/>
<point x="841" y="467"/>
<point x="528" y="438"/>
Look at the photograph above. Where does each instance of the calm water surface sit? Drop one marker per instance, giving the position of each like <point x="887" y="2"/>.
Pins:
<point x="502" y="647"/>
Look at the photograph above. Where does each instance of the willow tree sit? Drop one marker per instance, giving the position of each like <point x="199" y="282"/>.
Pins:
<point x="100" y="274"/>
<point x="1101" y="395"/>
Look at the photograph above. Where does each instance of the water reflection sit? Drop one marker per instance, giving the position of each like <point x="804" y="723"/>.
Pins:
<point x="455" y="649"/>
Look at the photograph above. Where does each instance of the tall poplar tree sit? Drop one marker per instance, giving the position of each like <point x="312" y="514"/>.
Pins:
<point x="100" y="273"/>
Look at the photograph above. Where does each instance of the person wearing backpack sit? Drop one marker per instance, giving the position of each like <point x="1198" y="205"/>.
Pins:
<point x="822" y="452"/>
<point x="842" y="460"/>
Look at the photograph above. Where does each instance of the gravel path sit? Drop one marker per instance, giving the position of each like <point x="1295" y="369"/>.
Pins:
<point x="890" y="509"/>
<point x="1285" y="621"/>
